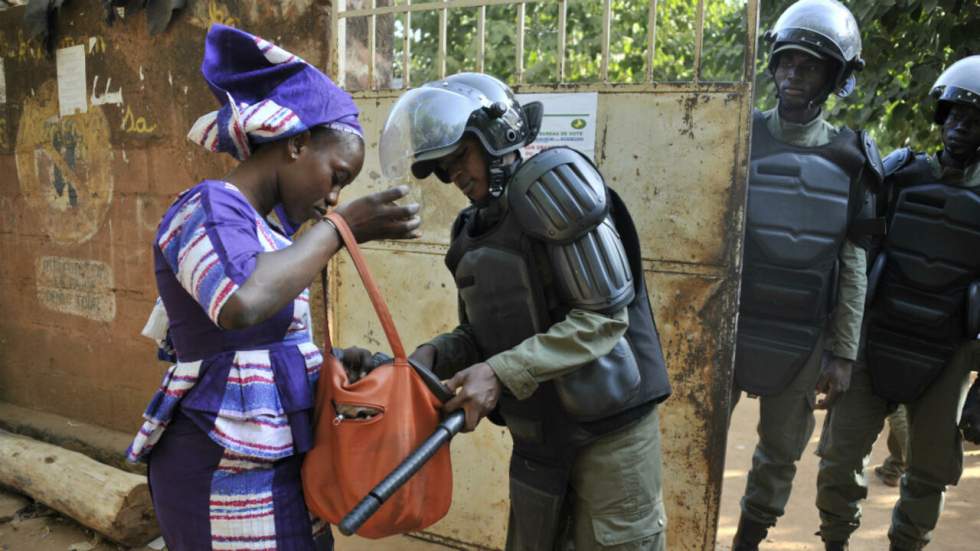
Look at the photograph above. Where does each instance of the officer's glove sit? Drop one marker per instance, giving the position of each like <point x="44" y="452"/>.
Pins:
<point x="970" y="419"/>
<point x="834" y="380"/>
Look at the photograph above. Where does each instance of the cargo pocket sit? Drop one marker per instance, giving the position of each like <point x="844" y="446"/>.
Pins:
<point x="537" y="497"/>
<point x="630" y="532"/>
<point x="535" y="518"/>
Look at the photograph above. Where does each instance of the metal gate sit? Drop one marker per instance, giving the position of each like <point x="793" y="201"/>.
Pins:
<point x="672" y="135"/>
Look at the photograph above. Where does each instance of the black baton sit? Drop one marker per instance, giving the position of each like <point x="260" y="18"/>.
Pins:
<point x="398" y="477"/>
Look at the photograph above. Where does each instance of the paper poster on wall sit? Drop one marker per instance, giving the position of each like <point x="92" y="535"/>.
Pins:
<point x="569" y="120"/>
<point x="72" y="89"/>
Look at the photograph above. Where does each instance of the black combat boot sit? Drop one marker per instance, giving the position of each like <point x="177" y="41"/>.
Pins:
<point x="749" y="535"/>
<point x="835" y="546"/>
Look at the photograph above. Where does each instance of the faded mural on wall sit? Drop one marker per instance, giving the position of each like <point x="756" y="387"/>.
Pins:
<point x="64" y="166"/>
<point x="93" y="151"/>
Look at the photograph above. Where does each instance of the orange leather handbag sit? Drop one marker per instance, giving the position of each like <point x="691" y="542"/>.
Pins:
<point x="351" y="455"/>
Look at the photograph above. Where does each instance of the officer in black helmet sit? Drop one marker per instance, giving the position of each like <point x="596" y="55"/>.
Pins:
<point x="556" y="337"/>
<point x="807" y="230"/>
<point x="922" y="324"/>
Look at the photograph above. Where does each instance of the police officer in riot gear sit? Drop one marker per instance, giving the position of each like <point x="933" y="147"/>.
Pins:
<point x="556" y="337"/>
<point x="803" y="278"/>
<point x="922" y="324"/>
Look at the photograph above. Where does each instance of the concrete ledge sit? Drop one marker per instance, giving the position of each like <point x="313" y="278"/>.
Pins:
<point x="102" y="444"/>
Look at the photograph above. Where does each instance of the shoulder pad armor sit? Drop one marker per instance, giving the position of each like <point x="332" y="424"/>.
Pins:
<point x="558" y="195"/>
<point x="593" y="271"/>
<point x="897" y="159"/>
<point x="870" y="149"/>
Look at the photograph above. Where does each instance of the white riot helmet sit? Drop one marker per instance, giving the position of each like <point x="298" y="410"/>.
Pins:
<point x="825" y="29"/>
<point x="960" y="83"/>
<point x="429" y="122"/>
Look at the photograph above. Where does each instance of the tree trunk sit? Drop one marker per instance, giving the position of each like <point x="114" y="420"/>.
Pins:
<point x="110" y="501"/>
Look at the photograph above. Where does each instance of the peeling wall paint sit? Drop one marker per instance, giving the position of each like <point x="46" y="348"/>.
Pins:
<point x="78" y="287"/>
<point x="83" y="192"/>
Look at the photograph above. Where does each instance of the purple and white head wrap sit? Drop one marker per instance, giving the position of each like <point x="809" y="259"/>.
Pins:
<point x="267" y="94"/>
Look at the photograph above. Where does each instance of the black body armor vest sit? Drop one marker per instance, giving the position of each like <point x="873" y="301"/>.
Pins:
<point x="931" y="256"/>
<point x="505" y="284"/>
<point x="800" y="204"/>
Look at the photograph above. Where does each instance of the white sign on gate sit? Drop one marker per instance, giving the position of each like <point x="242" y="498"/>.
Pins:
<point x="569" y="120"/>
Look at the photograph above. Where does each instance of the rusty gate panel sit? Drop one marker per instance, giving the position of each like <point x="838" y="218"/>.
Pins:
<point x="676" y="151"/>
<point x="681" y="181"/>
<point x="674" y="156"/>
<point x="688" y="216"/>
<point x="691" y="316"/>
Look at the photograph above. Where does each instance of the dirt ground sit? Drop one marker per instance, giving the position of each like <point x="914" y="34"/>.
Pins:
<point x="31" y="527"/>
<point x="958" y="527"/>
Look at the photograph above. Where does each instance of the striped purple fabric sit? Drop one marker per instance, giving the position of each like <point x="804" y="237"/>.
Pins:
<point x="179" y="379"/>
<point x="251" y="421"/>
<point x="242" y="505"/>
<point x="266" y="94"/>
<point x="190" y="251"/>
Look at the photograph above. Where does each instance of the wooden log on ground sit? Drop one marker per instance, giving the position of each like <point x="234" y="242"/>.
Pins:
<point x="110" y="501"/>
<point x="100" y="443"/>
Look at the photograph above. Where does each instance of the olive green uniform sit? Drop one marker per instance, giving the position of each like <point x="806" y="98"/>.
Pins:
<point x="935" y="451"/>
<point x="786" y="419"/>
<point x="898" y="440"/>
<point x="615" y="489"/>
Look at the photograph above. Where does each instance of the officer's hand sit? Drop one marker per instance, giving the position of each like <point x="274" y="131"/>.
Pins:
<point x="970" y="419"/>
<point x="477" y="390"/>
<point x="834" y="380"/>
<point x="357" y="362"/>
<point x="424" y="355"/>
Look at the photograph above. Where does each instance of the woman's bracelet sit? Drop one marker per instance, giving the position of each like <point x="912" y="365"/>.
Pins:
<point x="335" y="229"/>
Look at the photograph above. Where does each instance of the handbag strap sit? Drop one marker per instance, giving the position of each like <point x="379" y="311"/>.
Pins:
<point x="369" y="284"/>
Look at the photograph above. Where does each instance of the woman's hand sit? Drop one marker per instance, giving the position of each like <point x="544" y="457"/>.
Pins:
<point x="376" y="216"/>
<point x="281" y="275"/>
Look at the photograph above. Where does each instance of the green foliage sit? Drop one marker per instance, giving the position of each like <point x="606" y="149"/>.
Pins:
<point x="907" y="44"/>
<point x="674" y="51"/>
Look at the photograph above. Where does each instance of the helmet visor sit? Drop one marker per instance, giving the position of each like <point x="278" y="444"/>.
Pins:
<point x="835" y="28"/>
<point x="964" y="74"/>
<point x="424" y="124"/>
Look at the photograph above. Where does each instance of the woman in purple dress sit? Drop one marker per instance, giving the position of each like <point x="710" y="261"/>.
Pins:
<point x="225" y="433"/>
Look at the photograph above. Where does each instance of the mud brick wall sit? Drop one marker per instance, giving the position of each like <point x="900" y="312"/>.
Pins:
<point x="81" y="194"/>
